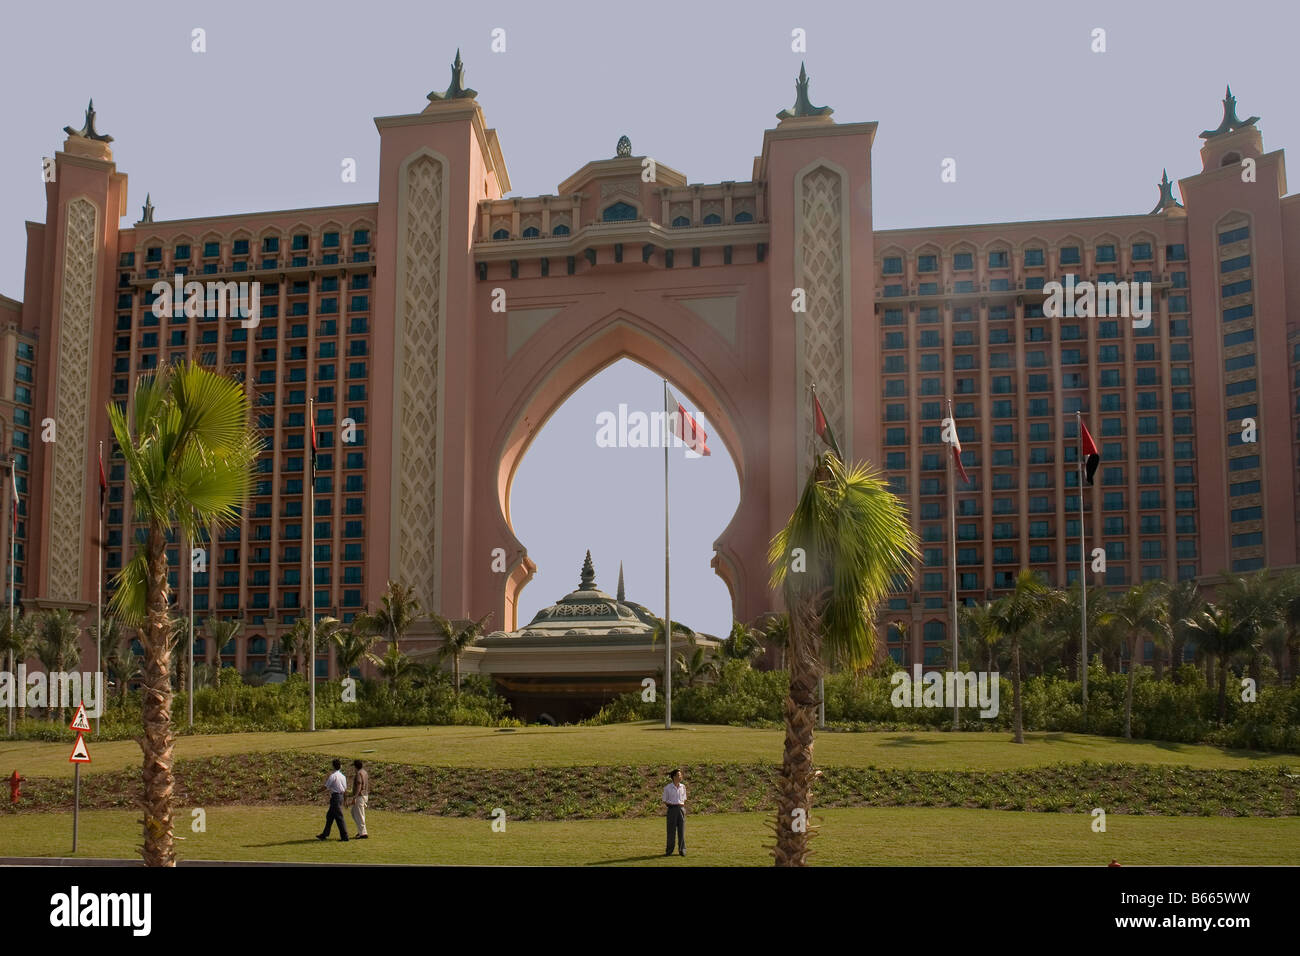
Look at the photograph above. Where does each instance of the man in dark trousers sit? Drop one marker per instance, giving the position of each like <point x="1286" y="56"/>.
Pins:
<point x="675" y="800"/>
<point x="337" y="785"/>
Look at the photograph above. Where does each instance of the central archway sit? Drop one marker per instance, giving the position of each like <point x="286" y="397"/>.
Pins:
<point x="592" y="478"/>
<point x="708" y="377"/>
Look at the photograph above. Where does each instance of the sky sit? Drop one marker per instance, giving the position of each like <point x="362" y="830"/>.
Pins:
<point x="1040" y="126"/>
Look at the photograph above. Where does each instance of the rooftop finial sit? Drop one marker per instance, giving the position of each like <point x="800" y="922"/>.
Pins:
<point x="146" y="214"/>
<point x="588" y="582"/>
<point x="1230" y="121"/>
<point x="88" y="130"/>
<point x="1167" y="200"/>
<point x="624" y="147"/>
<point x="802" y="105"/>
<point x="621" y="595"/>
<point x="458" y="90"/>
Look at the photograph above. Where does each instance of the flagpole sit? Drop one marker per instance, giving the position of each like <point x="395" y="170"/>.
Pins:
<point x="952" y="551"/>
<point x="99" y="588"/>
<point x="13" y="534"/>
<point x="311" y="584"/>
<point x="1083" y="571"/>
<point x="668" y="619"/>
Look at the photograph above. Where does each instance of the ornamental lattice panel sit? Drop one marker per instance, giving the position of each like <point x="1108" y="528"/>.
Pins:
<point x="72" y="407"/>
<point x="421" y="295"/>
<point x="821" y="275"/>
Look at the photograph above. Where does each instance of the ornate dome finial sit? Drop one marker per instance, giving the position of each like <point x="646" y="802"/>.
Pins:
<point x="1230" y="121"/>
<point x="802" y="105"/>
<point x="458" y="90"/>
<point x="621" y="595"/>
<point x="146" y="214"/>
<point x="588" y="582"/>
<point x="1167" y="200"/>
<point x="624" y="147"/>
<point x="87" y="131"/>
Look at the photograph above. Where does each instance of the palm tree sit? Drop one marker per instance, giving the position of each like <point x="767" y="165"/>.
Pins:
<point x="1185" y="602"/>
<point x="1291" y="615"/>
<point x="1141" y="611"/>
<point x="398" y="610"/>
<point x="190" y="454"/>
<point x="904" y="641"/>
<point x="981" y="627"/>
<point x="18" y="643"/>
<point x="121" y="659"/>
<point x="695" y="669"/>
<point x="742" y="644"/>
<point x="395" y="666"/>
<point x="835" y="562"/>
<point x="774" y="629"/>
<point x="58" y="646"/>
<point x="219" y="634"/>
<point x="1015" y="613"/>
<point x="1257" y="602"/>
<point x="456" y="638"/>
<point x="1219" y="633"/>
<point x="352" y="645"/>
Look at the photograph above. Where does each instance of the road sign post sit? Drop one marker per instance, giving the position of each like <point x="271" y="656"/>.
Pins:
<point x="78" y="756"/>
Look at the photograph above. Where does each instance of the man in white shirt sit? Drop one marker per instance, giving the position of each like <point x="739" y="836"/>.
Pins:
<point x="337" y="785"/>
<point x="675" y="800"/>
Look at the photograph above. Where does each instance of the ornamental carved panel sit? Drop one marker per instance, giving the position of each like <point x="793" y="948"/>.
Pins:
<point x="72" y="403"/>
<point x="820" y="272"/>
<point x="420" y="301"/>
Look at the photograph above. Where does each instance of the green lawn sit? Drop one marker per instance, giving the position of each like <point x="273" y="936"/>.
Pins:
<point x="648" y="744"/>
<point x="934" y="837"/>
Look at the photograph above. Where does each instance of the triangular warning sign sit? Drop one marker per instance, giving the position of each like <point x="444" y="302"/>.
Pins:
<point x="80" y="723"/>
<point x="79" y="753"/>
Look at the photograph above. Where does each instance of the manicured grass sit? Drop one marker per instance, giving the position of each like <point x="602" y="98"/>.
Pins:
<point x="846" y="837"/>
<point x="647" y="744"/>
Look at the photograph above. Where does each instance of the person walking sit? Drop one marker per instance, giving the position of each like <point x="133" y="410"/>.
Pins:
<point x="360" y="797"/>
<point x="675" y="799"/>
<point x="337" y="785"/>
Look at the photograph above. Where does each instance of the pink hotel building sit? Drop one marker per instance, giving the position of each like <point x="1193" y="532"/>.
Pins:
<point x="383" y="313"/>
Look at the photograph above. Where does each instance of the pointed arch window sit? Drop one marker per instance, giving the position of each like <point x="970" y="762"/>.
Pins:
<point x="618" y="212"/>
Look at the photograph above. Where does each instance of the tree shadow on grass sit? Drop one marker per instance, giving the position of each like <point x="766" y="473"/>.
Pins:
<point x="627" y="859"/>
<point x="258" y="846"/>
<point x="909" y="741"/>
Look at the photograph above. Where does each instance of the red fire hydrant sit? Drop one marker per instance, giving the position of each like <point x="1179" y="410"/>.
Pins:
<point x="15" y="782"/>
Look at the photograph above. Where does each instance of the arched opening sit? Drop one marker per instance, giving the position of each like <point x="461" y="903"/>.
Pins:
<point x="593" y="478"/>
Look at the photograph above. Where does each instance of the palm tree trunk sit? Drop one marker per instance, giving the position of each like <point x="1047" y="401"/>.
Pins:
<point x="794" y="786"/>
<point x="1176" y="651"/>
<point x="1223" y="687"/>
<point x="1017" y="714"/>
<point x="156" y="705"/>
<point x="455" y="663"/>
<point x="1128" y="692"/>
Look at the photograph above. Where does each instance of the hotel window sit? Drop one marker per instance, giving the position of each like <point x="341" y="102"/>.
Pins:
<point x="1243" y="488"/>
<point x="1236" y="288"/>
<point x="1002" y="385"/>
<point x="360" y="237"/>
<point x="1003" y="409"/>
<point x="271" y="244"/>
<point x="532" y="232"/>
<point x="1109" y="378"/>
<point x="998" y="259"/>
<point x="896" y="460"/>
<point x="1182" y="425"/>
<point x="1150" y="500"/>
<point x="1112" y="476"/>
<point x="1236" y="338"/>
<point x="153" y="254"/>
<point x="931" y="339"/>
<point x="181" y="252"/>
<point x="895" y="387"/>
<point x="1179" y="327"/>
<point x="963" y="262"/>
<point x="1034" y="257"/>
<point x="1240" y="362"/>
<point x="1183" y="475"/>
<point x="1243" y="464"/>
<point x="1004" y="457"/>
<point x="330" y="240"/>
<point x="1141" y="252"/>
<point x="563" y="230"/>
<point x="240" y="247"/>
<point x="1240" y="388"/>
<point x="1247" y="514"/>
<point x="1239" y="312"/>
<point x="893" y="436"/>
<point x="931" y="362"/>
<point x="963" y="337"/>
<point x="1234" y="235"/>
<point x="1070" y="256"/>
<point x="1106" y="253"/>
<point x="1146" y="352"/>
<point x="1235" y="263"/>
<point x="999" y="336"/>
<point x="1177" y="252"/>
<point x="1107" y="330"/>
<point x="890" y="266"/>
<point x="927" y="263"/>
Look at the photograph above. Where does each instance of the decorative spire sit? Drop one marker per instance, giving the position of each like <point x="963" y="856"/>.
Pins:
<point x="1167" y="200"/>
<point x="621" y="595"/>
<point x="802" y="105"/>
<point x="457" y="90"/>
<point x="88" y="130"/>
<point x="1230" y="120"/>
<point x="588" y="582"/>
<point x="146" y="214"/>
<point x="624" y="147"/>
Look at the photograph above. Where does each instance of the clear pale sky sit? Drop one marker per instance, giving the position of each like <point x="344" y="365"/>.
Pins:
<point x="1040" y="126"/>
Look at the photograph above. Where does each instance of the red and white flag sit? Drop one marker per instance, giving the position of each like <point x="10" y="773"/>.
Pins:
<point x="950" y="426"/>
<point x="684" y="424"/>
